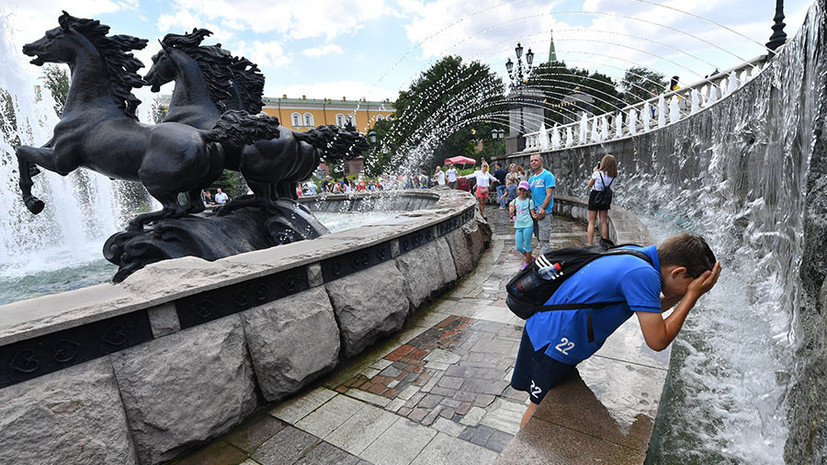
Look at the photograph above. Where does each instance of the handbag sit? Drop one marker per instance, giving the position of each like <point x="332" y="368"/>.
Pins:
<point x="603" y="199"/>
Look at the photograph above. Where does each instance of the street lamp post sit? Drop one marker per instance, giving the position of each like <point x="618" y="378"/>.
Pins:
<point x="518" y="79"/>
<point x="779" y="37"/>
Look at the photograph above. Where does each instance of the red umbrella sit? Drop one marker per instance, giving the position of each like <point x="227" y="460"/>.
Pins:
<point x="460" y="160"/>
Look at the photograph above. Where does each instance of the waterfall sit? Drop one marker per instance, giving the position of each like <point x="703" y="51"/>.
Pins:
<point x="81" y="209"/>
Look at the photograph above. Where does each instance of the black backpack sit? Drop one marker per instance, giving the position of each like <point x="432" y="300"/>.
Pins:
<point x="528" y="292"/>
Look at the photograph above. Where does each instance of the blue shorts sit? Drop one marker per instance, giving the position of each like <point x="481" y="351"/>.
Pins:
<point x="535" y="372"/>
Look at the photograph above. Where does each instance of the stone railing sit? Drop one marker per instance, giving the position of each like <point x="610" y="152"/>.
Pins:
<point x="648" y="115"/>
<point x="183" y="350"/>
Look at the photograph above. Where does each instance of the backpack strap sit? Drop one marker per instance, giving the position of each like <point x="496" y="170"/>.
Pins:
<point x="595" y="305"/>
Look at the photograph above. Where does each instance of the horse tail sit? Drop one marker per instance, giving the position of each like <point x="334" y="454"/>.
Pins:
<point x="236" y="127"/>
<point x="334" y="142"/>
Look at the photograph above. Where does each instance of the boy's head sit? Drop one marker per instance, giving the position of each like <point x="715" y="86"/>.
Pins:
<point x="683" y="258"/>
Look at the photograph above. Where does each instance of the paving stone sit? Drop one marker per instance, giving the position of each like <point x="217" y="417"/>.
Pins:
<point x="473" y="417"/>
<point x="498" y="441"/>
<point x="442" y="356"/>
<point x="381" y="364"/>
<point x="395" y="405"/>
<point x="391" y="372"/>
<point x="484" y="400"/>
<point x="450" y="403"/>
<point x="254" y="432"/>
<point x="444" y="449"/>
<point x="369" y="397"/>
<point x="418" y="414"/>
<point x="481" y="435"/>
<point x="216" y="453"/>
<point x="415" y="399"/>
<point x="447" y="426"/>
<point x="330" y="416"/>
<point x="327" y="454"/>
<point x="293" y="410"/>
<point x="285" y="447"/>
<point x="408" y="392"/>
<point x="399" y="444"/>
<point x="360" y="430"/>
<point x="432" y="415"/>
<point x="430" y="401"/>
<point x="443" y="392"/>
<point x="447" y="412"/>
<point x="450" y="382"/>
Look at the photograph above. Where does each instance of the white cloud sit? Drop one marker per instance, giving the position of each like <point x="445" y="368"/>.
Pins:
<point x="299" y="20"/>
<point x="265" y="54"/>
<point x="323" y="50"/>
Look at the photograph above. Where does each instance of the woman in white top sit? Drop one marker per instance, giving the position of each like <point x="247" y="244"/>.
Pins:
<point x="484" y="179"/>
<point x="600" y="198"/>
<point x="439" y="176"/>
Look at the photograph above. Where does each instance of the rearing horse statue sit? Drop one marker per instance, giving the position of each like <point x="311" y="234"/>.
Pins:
<point x="99" y="130"/>
<point x="209" y="79"/>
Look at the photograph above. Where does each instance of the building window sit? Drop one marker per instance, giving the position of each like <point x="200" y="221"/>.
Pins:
<point x="296" y="119"/>
<point x="308" y="120"/>
<point x="340" y="119"/>
<point x="352" y="119"/>
<point x="380" y="118"/>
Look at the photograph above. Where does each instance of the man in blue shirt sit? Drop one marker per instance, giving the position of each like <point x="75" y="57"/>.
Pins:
<point x="542" y="192"/>
<point x="683" y="269"/>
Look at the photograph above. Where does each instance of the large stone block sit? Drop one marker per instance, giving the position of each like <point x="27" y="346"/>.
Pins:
<point x="71" y="416"/>
<point x="291" y="341"/>
<point x="427" y="270"/>
<point x="185" y="388"/>
<point x="466" y="244"/>
<point x="369" y="305"/>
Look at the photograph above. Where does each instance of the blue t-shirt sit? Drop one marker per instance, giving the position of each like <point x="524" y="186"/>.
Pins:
<point x="607" y="279"/>
<point x="523" y="219"/>
<point x="539" y="183"/>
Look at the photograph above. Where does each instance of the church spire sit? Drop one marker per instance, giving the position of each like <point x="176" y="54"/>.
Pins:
<point x="552" y="54"/>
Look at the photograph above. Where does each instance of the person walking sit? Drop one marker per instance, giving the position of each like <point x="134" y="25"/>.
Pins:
<point x="439" y="176"/>
<point x="600" y="198"/>
<point x="542" y="185"/>
<point x="483" y="178"/>
<point x="522" y="210"/>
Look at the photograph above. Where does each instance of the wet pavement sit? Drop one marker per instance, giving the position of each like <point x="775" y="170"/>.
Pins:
<point x="437" y="392"/>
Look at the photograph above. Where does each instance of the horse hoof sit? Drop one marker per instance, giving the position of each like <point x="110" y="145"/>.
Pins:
<point x="34" y="205"/>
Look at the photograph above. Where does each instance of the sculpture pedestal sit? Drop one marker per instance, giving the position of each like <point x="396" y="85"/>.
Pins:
<point x="211" y="236"/>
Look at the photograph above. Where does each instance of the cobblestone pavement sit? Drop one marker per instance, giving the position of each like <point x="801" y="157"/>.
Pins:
<point x="438" y="392"/>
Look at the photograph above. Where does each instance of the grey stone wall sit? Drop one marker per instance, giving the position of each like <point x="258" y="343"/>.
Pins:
<point x="190" y="383"/>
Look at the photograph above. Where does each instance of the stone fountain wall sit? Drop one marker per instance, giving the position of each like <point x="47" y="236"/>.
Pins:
<point x="751" y="172"/>
<point x="185" y="349"/>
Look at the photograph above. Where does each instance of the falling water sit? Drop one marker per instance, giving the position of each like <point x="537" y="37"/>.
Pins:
<point x="81" y="208"/>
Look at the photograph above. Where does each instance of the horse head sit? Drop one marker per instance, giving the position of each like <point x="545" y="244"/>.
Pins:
<point x="163" y="68"/>
<point x="56" y="46"/>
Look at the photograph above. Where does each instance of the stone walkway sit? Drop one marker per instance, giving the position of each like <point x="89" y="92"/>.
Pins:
<point x="436" y="393"/>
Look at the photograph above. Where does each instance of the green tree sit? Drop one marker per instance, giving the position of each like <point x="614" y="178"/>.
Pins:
<point x="56" y="79"/>
<point x="638" y="83"/>
<point x="441" y="111"/>
<point x="558" y="81"/>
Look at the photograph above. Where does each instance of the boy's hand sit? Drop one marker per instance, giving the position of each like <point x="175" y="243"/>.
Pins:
<point x="706" y="281"/>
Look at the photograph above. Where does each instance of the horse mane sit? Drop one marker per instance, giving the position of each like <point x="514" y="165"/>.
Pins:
<point x="221" y="70"/>
<point x="121" y="65"/>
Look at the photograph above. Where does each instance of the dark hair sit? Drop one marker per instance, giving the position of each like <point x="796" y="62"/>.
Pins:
<point x="688" y="250"/>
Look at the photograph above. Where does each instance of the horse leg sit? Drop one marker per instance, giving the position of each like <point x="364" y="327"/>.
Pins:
<point x="27" y="158"/>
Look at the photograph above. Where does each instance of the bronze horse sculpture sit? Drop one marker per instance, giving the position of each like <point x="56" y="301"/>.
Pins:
<point x="209" y="79"/>
<point x="99" y="130"/>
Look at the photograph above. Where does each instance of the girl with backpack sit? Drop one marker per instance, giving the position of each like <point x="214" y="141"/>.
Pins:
<point x="600" y="198"/>
<point x="522" y="211"/>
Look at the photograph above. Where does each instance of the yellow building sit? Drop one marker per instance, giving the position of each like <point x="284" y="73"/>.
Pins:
<point x="301" y="114"/>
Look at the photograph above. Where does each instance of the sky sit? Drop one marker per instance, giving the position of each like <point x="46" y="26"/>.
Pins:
<point x="374" y="48"/>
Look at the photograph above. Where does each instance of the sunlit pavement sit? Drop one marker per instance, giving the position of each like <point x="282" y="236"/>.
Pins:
<point x="437" y="392"/>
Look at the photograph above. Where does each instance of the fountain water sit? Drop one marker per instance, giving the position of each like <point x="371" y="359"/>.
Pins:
<point x="85" y="207"/>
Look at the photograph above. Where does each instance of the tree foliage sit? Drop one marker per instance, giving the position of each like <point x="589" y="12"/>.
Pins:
<point x="557" y="81"/>
<point x="438" y="113"/>
<point x="638" y="83"/>
<point x="56" y="80"/>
